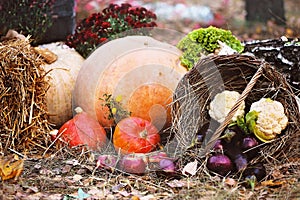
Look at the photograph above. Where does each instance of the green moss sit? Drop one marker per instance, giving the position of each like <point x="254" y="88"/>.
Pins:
<point x="205" y="41"/>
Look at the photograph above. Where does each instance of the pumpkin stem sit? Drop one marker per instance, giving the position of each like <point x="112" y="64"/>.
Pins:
<point x="144" y="133"/>
<point x="78" y="110"/>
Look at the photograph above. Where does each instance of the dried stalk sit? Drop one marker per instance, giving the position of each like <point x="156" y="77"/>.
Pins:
<point x="23" y="119"/>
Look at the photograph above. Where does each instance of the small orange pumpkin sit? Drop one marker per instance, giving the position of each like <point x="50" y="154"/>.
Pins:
<point x="135" y="135"/>
<point x="82" y="129"/>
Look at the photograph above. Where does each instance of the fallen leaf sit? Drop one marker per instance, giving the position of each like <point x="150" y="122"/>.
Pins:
<point x="37" y="166"/>
<point x="73" y="162"/>
<point x="60" y="184"/>
<point x="11" y="167"/>
<point x="190" y="168"/>
<point x="277" y="174"/>
<point x="77" y="177"/>
<point x="88" y="181"/>
<point x="46" y="172"/>
<point x="148" y="197"/>
<point x="94" y="191"/>
<point x="272" y="183"/>
<point x="31" y="189"/>
<point x="135" y="198"/>
<point x="176" y="183"/>
<point x="54" y="196"/>
<point x="81" y="171"/>
<point x="230" y="182"/>
<point x="66" y="169"/>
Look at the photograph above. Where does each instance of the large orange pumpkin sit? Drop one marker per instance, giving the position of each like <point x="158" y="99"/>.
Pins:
<point x="141" y="70"/>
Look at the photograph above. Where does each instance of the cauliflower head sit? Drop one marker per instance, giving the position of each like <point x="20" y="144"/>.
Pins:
<point x="222" y="104"/>
<point x="266" y="119"/>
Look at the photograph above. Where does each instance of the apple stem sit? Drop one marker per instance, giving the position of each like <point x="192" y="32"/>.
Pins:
<point x="144" y="133"/>
<point x="78" y="110"/>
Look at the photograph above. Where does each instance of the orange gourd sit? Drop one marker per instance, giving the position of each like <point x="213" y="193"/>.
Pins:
<point x="143" y="71"/>
<point x="135" y="135"/>
<point x="82" y="129"/>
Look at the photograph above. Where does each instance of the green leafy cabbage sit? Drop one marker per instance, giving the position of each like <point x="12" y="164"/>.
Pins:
<point x="205" y="41"/>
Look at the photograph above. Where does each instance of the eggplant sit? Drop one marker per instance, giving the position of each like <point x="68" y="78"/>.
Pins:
<point x="229" y="134"/>
<point x="234" y="134"/>
<point x="254" y="174"/>
<point x="231" y="142"/>
<point x="241" y="162"/>
<point x="248" y="143"/>
<point x="232" y="149"/>
<point x="199" y="139"/>
<point x="249" y="147"/>
<point x="257" y="170"/>
<point x="220" y="164"/>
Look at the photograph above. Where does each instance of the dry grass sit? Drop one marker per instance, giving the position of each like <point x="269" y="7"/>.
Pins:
<point x="23" y="117"/>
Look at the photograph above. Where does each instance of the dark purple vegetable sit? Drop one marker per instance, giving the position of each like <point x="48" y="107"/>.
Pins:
<point x="220" y="164"/>
<point x="241" y="162"/>
<point x="248" y="143"/>
<point x="199" y="139"/>
<point x="203" y="129"/>
<point x="229" y="134"/>
<point x="258" y="170"/>
<point x="232" y="147"/>
<point x="107" y="161"/>
<point x="254" y="174"/>
<point x="167" y="165"/>
<point x="249" y="147"/>
<point x="132" y="164"/>
<point x="218" y="145"/>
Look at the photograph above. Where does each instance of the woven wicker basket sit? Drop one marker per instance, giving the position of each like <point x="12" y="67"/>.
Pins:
<point x="250" y="77"/>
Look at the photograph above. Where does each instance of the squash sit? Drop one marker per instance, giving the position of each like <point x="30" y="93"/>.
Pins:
<point x="135" y="135"/>
<point x="81" y="130"/>
<point x="62" y="75"/>
<point x="143" y="71"/>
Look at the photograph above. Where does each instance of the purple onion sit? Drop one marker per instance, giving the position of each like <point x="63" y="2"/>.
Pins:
<point x="157" y="156"/>
<point x="250" y="143"/>
<point x="132" y="164"/>
<point x="220" y="164"/>
<point x="218" y="146"/>
<point x="167" y="165"/>
<point x="107" y="161"/>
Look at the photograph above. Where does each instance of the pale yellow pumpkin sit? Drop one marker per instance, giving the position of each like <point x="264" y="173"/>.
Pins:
<point x="62" y="75"/>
